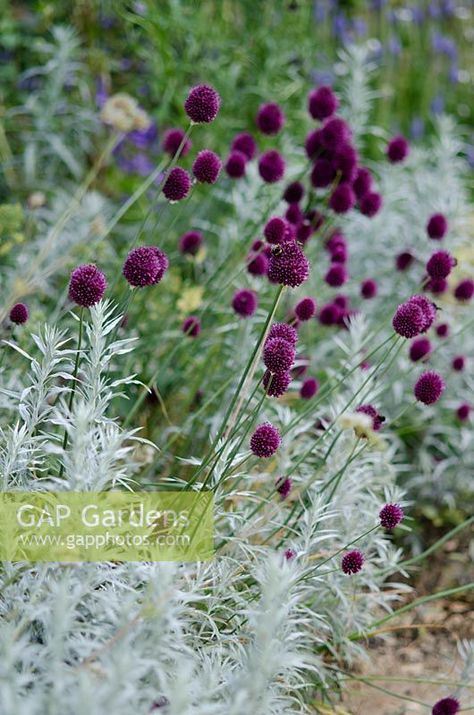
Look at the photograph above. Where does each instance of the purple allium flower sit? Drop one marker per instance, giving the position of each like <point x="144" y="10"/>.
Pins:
<point x="293" y="193"/>
<point x="265" y="440"/>
<point x="19" y="313"/>
<point x="336" y="275"/>
<point x="342" y="301"/>
<point x="429" y="387"/>
<point x="440" y="264"/>
<point x="191" y="326"/>
<point x="464" y="290"/>
<point x="313" y="144"/>
<point x="276" y="230"/>
<point x="271" y="166"/>
<point x="342" y="199"/>
<point x="323" y="173"/>
<point x="428" y="310"/>
<point x="246" y="144"/>
<point x="373" y="413"/>
<point x="289" y="554"/>
<point x="276" y="383"/>
<point x="442" y="330"/>
<point x="87" y="285"/>
<point x="190" y="242"/>
<point x="283" y="486"/>
<point x="322" y="102"/>
<point x="368" y="288"/>
<point x="177" y="185"/>
<point x="437" y="226"/>
<point x="390" y="516"/>
<point x="278" y="355"/>
<point x="437" y="285"/>
<point x="330" y="314"/>
<point x="285" y="331"/>
<point x="235" y="164"/>
<point x="408" y="320"/>
<point x="293" y="214"/>
<point x="370" y="204"/>
<point x="352" y="562"/>
<point x="304" y="231"/>
<point x="404" y="261"/>
<point x="245" y="302"/>
<point x="207" y="167"/>
<point x="305" y="308"/>
<point x="458" y="363"/>
<point x="420" y="348"/>
<point x="309" y="388"/>
<point x="397" y="149"/>
<point x="270" y="118"/>
<point x="335" y="132"/>
<point x="463" y="411"/>
<point x="446" y="706"/>
<point x="362" y="182"/>
<point x="172" y="140"/>
<point x="145" y="266"/>
<point x="258" y="264"/>
<point x="288" y="265"/>
<point x="202" y="104"/>
<point x="345" y="162"/>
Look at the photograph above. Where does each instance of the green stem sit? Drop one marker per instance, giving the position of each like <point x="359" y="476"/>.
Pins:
<point x="73" y="388"/>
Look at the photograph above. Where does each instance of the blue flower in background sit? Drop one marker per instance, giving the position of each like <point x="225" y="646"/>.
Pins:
<point x="394" y="46"/>
<point x="453" y="74"/>
<point x="417" y="128"/>
<point x="437" y="105"/>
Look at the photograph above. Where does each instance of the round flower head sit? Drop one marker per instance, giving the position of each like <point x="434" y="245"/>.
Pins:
<point x="276" y="383"/>
<point x="370" y="204"/>
<point x="463" y="412"/>
<point x="172" y="140"/>
<point x="177" y="185"/>
<point x="345" y="162"/>
<point x="330" y="314"/>
<point x="342" y="199"/>
<point x="397" y="149"/>
<point x="464" y="290"/>
<point x="429" y="387"/>
<point x="283" y="486"/>
<point x="309" y="388"/>
<point x="368" y="288"/>
<point x="245" y="302"/>
<point x="19" y="314"/>
<point x="278" y="355"/>
<point x="442" y="330"/>
<point x="87" y="285"/>
<point x="265" y="440"/>
<point x="190" y="242"/>
<point x="304" y="231"/>
<point x="339" y="253"/>
<point x="323" y="173"/>
<point x="458" y="363"/>
<point x="373" y="413"/>
<point x="288" y="265"/>
<point x="362" y="182"/>
<point x="420" y="348"/>
<point x="202" y="104"/>
<point x="446" y="706"/>
<point x="270" y="118"/>
<point x="191" y="326"/>
<point x="440" y="264"/>
<point x="437" y="285"/>
<point x="335" y="132"/>
<point x="276" y="230"/>
<point x="336" y="275"/>
<point x="271" y="166"/>
<point x="313" y="144"/>
<point x="305" y="309"/>
<point x="428" y="310"/>
<point x="293" y="214"/>
<point x="404" y="261"/>
<point x="437" y="226"/>
<point x="235" y="164"/>
<point x="285" y="331"/>
<point x="408" y="320"/>
<point x="144" y="266"/>
<point x="258" y="264"/>
<point x="293" y="193"/>
<point x="245" y="143"/>
<point x="390" y="516"/>
<point x="342" y="301"/>
<point x="207" y="167"/>
<point x="352" y="562"/>
<point x="322" y="102"/>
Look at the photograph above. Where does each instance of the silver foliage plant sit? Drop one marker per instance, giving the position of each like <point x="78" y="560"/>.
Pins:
<point x="252" y="630"/>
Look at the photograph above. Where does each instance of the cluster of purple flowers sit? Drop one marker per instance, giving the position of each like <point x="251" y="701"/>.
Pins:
<point x="279" y="353"/>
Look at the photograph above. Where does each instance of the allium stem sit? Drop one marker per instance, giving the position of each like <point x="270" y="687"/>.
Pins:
<point x="73" y="387"/>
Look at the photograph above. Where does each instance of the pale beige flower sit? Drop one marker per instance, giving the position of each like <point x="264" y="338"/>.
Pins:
<point x="122" y="112"/>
